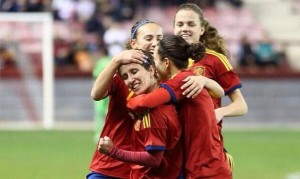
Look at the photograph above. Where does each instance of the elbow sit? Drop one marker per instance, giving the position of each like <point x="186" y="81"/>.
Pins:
<point x="217" y="95"/>
<point x="95" y="96"/>
<point x="244" y="109"/>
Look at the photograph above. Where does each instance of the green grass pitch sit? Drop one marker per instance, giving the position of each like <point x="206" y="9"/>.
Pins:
<point x="259" y="154"/>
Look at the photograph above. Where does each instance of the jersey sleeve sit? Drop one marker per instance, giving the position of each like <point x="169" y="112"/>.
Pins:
<point x="173" y="86"/>
<point x="225" y="75"/>
<point x="157" y="97"/>
<point x="143" y="158"/>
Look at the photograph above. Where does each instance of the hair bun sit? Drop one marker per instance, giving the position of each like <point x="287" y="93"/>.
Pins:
<point x="196" y="51"/>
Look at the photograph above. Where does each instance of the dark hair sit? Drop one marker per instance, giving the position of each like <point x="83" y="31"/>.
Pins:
<point x="149" y="62"/>
<point x="179" y="51"/>
<point x="210" y="38"/>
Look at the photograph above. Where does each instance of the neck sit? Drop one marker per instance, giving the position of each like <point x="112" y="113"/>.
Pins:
<point x="173" y="72"/>
<point x="154" y="86"/>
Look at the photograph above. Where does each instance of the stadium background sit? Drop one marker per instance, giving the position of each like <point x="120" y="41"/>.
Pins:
<point x="263" y="142"/>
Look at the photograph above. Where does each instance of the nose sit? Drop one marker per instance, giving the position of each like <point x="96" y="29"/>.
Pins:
<point x="130" y="79"/>
<point x="155" y="42"/>
<point x="185" y="28"/>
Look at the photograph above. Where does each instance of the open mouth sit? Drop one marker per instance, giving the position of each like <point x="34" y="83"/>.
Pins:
<point x="185" y="36"/>
<point x="151" y="51"/>
<point x="134" y="86"/>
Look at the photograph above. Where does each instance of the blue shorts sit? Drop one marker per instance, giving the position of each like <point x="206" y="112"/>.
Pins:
<point x="95" y="175"/>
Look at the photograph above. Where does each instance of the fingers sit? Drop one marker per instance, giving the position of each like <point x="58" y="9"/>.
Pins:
<point x="186" y="79"/>
<point x="138" y="57"/>
<point x="189" y="84"/>
<point x="100" y="143"/>
<point x="186" y="84"/>
<point x="106" y="138"/>
<point x="196" y="93"/>
<point x="190" y="88"/>
<point x="103" y="145"/>
<point x="192" y="91"/>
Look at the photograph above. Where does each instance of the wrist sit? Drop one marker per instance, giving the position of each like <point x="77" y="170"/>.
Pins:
<point x="111" y="151"/>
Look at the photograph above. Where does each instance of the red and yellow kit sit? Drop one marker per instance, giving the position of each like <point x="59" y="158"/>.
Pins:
<point x="217" y="67"/>
<point x="204" y="156"/>
<point x="158" y="130"/>
<point x="117" y="126"/>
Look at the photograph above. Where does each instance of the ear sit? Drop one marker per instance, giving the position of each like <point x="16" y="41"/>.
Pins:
<point x="133" y="43"/>
<point x="152" y="70"/>
<point x="167" y="63"/>
<point x="202" y="30"/>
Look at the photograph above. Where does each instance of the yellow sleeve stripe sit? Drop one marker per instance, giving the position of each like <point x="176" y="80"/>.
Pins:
<point x="222" y="57"/>
<point x="130" y="95"/>
<point x="146" y="121"/>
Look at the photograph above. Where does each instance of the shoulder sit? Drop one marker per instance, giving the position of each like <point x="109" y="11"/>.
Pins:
<point x="218" y="58"/>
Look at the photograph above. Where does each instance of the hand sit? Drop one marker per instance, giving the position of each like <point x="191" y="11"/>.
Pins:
<point x="130" y="56"/>
<point x="193" y="85"/>
<point x="104" y="145"/>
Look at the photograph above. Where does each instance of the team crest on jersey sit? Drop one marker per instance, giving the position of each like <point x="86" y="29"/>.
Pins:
<point x="199" y="70"/>
<point x="137" y="125"/>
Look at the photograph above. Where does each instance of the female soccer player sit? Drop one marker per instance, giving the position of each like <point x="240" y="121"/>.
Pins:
<point x="204" y="156"/>
<point x="118" y="123"/>
<point x="190" y="23"/>
<point x="155" y="150"/>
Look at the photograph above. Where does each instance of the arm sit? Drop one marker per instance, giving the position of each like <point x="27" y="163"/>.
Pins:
<point x="145" y="158"/>
<point x="103" y="81"/>
<point x="237" y="107"/>
<point x="155" y="98"/>
<point x="194" y="84"/>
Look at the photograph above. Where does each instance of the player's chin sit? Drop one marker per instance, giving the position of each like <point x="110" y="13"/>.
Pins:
<point x="139" y="91"/>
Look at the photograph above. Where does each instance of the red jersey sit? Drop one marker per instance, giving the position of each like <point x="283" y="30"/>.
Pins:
<point x="159" y="129"/>
<point x="203" y="149"/>
<point x="117" y="126"/>
<point x="217" y="67"/>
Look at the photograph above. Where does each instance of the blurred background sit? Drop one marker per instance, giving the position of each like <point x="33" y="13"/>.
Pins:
<point x="84" y="31"/>
<point x="49" y="51"/>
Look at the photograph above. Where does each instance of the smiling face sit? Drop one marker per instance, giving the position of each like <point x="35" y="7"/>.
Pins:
<point x="148" y="36"/>
<point x="187" y="24"/>
<point x="137" y="78"/>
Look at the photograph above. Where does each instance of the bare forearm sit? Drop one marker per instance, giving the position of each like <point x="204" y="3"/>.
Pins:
<point x="215" y="90"/>
<point x="103" y="81"/>
<point x="237" y="107"/>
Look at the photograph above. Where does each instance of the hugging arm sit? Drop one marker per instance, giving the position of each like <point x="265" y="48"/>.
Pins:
<point x="155" y="98"/>
<point x="194" y="84"/>
<point x="103" y="81"/>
